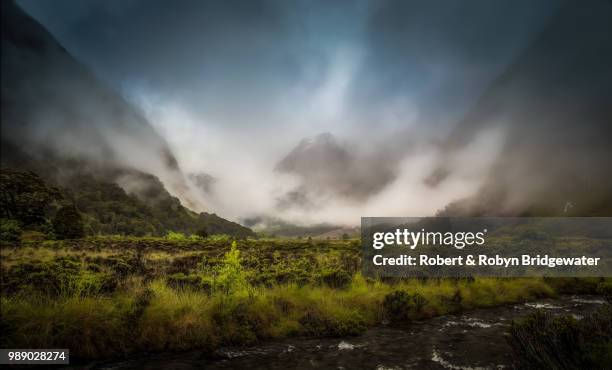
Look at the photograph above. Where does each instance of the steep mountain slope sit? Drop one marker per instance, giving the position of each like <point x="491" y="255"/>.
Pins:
<point x="105" y="207"/>
<point x="52" y="103"/>
<point x="554" y="105"/>
<point x="60" y="121"/>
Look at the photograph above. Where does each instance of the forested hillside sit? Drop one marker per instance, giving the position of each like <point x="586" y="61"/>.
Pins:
<point x="70" y="142"/>
<point x="28" y="203"/>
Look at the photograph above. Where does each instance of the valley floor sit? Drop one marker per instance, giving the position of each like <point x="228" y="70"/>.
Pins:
<point x="476" y="339"/>
<point x="111" y="297"/>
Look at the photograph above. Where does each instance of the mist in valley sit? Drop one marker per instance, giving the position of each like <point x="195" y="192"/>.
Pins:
<point x="268" y="110"/>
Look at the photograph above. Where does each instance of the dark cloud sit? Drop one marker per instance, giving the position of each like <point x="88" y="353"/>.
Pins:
<point x="554" y="103"/>
<point x="442" y="54"/>
<point x="234" y="86"/>
<point x="55" y="111"/>
<point x="199" y="50"/>
<point x="230" y="57"/>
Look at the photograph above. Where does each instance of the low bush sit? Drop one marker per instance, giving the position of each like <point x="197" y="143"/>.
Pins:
<point x="542" y="341"/>
<point x="316" y="322"/>
<point x="402" y="306"/>
<point x="219" y="239"/>
<point x="175" y="236"/>
<point x="605" y="289"/>
<point x="63" y="277"/>
<point x="68" y="223"/>
<point x="336" y="278"/>
<point x="10" y="231"/>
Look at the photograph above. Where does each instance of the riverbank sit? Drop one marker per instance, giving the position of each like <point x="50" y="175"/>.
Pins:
<point x="476" y="339"/>
<point x="110" y="298"/>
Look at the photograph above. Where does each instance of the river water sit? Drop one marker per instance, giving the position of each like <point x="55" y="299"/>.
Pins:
<point x="473" y="340"/>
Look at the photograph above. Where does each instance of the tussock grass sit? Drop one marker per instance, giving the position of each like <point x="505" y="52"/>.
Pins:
<point x="89" y="326"/>
<point x="225" y="301"/>
<point x="157" y="317"/>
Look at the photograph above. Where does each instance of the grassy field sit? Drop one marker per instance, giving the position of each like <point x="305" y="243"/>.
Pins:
<point x="110" y="296"/>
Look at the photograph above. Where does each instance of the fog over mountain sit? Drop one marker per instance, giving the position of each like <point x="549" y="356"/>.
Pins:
<point x="326" y="166"/>
<point x="65" y="130"/>
<point x="54" y="107"/>
<point x="318" y="112"/>
<point x="554" y="104"/>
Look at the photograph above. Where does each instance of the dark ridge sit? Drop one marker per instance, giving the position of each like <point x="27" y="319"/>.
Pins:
<point x="555" y="106"/>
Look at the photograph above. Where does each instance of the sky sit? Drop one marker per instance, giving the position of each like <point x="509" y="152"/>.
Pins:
<point x="234" y="86"/>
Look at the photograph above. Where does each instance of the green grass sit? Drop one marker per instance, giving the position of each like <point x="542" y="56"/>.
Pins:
<point x="105" y="297"/>
<point x="179" y="319"/>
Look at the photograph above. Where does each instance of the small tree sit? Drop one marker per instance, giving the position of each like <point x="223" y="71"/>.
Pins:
<point x="67" y="223"/>
<point x="230" y="277"/>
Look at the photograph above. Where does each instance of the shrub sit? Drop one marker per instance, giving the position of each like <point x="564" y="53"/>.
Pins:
<point x="219" y="238"/>
<point x="9" y="230"/>
<point x="401" y="305"/>
<point x="453" y="303"/>
<point x="175" y="236"/>
<point x="87" y="283"/>
<point x="240" y="322"/>
<point x="230" y="278"/>
<point x="336" y="278"/>
<point x="202" y="233"/>
<point x="67" y="223"/>
<point x="544" y="341"/>
<point x="605" y="289"/>
<point x="317" y="322"/>
<point x="60" y="277"/>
